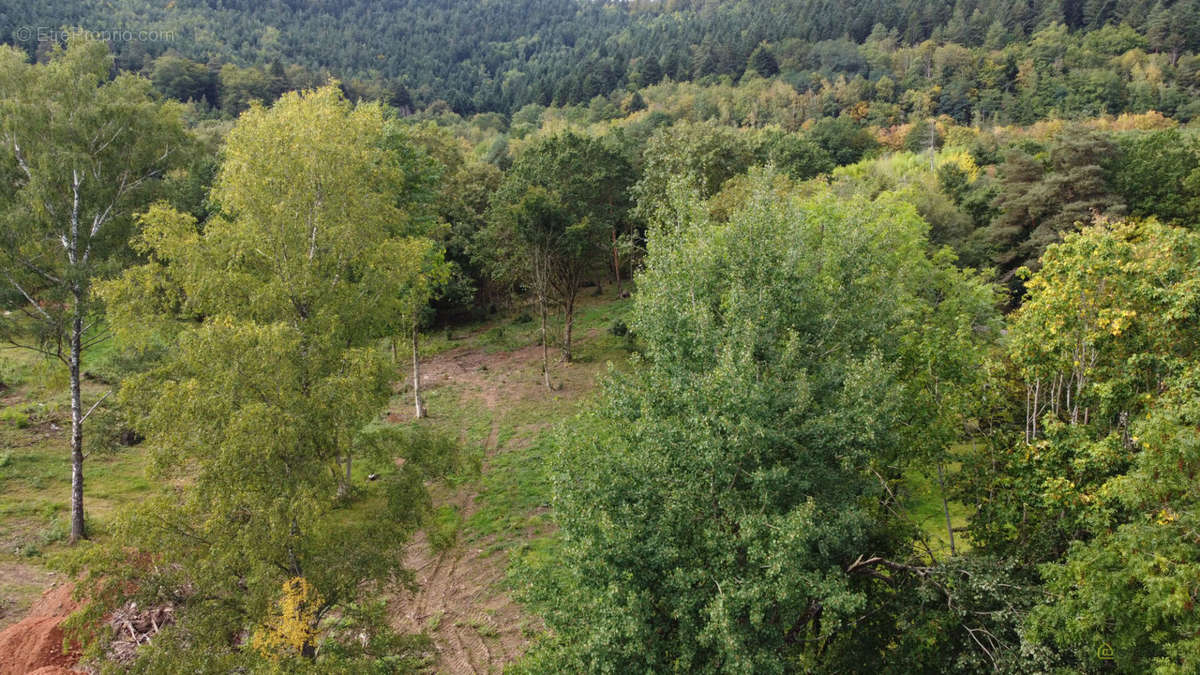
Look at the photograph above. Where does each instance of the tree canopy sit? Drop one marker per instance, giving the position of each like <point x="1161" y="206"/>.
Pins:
<point x="274" y="381"/>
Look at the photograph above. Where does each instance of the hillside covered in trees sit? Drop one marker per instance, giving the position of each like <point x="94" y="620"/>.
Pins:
<point x="1013" y="58"/>
<point x="756" y="337"/>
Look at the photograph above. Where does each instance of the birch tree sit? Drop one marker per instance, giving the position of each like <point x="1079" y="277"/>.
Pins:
<point x="263" y="402"/>
<point x="80" y="152"/>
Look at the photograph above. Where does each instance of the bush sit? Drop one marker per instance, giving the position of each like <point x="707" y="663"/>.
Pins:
<point x="55" y="531"/>
<point x="618" y="328"/>
<point x="15" y="417"/>
<point x="495" y="336"/>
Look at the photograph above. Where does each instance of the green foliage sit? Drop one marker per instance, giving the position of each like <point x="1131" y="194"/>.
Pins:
<point x="1040" y="201"/>
<point x="842" y="139"/>
<point x="704" y="156"/>
<point x="1105" y="324"/>
<point x="56" y="238"/>
<point x="714" y="503"/>
<point x="1115" y="485"/>
<point x="549" y="219"/>
<point x="15" y="417"/>
<point x="1132" y="587"/>
<point x="763" y="62"/>
<point x="248" y="417"/>
<point x="1157" y="174"/>
<point x="81" y="153"/>
<point x="798" y="157"/>
<point x="589" y="178"/>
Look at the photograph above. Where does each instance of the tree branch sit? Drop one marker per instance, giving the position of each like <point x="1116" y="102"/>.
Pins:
<point x="94" y="406"/>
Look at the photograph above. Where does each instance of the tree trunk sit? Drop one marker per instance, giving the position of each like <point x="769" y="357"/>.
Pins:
<point x="545" y="346"/>
<point x="616" y="261"/>
<point x="568" y="324"/>
<point x="946" y="507"/>
<point x="78" y="527"/>
<point x="420" y="404"/>
<point x="344" y="484"/>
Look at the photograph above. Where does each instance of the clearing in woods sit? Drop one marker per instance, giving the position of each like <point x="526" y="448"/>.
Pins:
<point x="487" y="389"/>
<point x="482" y="384"/>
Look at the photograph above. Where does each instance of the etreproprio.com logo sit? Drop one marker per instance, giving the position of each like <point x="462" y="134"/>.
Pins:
<point x="26" y="34"/>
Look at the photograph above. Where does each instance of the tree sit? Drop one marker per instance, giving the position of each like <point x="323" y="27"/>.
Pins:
<point x="81" y="153"/>
<point x="589" y="182"/>
<point x="649" y="71"/>
<point x="431" y="274"/>
<point x="636" y="103"/>
<point x="924" y="136"/>
<point x="703" y="155"/>
<point x="726" y="506"/>
<point x="460" y="205"/>
<point x="799" y="157"/>
<point x="239" y="87"/>
<point x="763" y="62"/>
<point x="184" y="80"/>
<point x="1100" y="332"/>
<point x="1153" y="174"/>
<point x="1130" y="587"/>
<point x="1095" y="495"/>
<point x="845" y="141"/>
<point x="1039" y="202"/>
<point x="538" y="242"/>
<point x="270" y="386"/>
<point x="416" y="196"/>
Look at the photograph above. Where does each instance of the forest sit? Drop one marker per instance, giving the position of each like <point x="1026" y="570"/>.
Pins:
<point x="553" y="336"/>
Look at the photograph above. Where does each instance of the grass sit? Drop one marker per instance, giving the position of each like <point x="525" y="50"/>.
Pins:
<point x="921" y="495"/>
<point x="35" y="472"/>
<point x="518" y="327"/>
<point x="514" y="487"/>
<point x="35" y="467"/>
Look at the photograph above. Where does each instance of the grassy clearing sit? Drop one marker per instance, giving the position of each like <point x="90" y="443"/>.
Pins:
<point x="35" y="472"/>
<point x="922" y="497"/>
<point x="512" y="437"/>
<point x="35" y="468"/>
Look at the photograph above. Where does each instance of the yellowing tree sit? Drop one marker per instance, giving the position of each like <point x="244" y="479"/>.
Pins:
<point x="296" y="282"/>
<point x="292" y="628"/>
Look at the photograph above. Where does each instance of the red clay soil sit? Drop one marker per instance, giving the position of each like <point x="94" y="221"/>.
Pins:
<point x="35" y="644"/>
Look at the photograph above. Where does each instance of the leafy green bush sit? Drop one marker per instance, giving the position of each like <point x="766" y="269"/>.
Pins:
<point x="15" y="417"/>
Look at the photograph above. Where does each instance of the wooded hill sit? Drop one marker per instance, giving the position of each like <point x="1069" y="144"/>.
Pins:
<point x="499" y="56"/>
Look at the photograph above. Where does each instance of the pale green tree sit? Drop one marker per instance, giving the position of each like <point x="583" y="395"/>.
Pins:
<point x="270" y="387"/>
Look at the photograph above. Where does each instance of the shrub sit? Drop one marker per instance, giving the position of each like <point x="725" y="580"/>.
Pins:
<point x="15" y="417"/>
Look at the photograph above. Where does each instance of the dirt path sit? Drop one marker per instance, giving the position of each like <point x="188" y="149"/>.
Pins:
<point x="461" y="602"/>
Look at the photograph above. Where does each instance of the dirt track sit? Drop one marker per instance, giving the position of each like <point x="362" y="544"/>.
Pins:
<point x="476" y="626"/>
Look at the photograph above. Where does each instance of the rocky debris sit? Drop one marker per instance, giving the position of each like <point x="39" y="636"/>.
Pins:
<point x="133" y="627"/>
